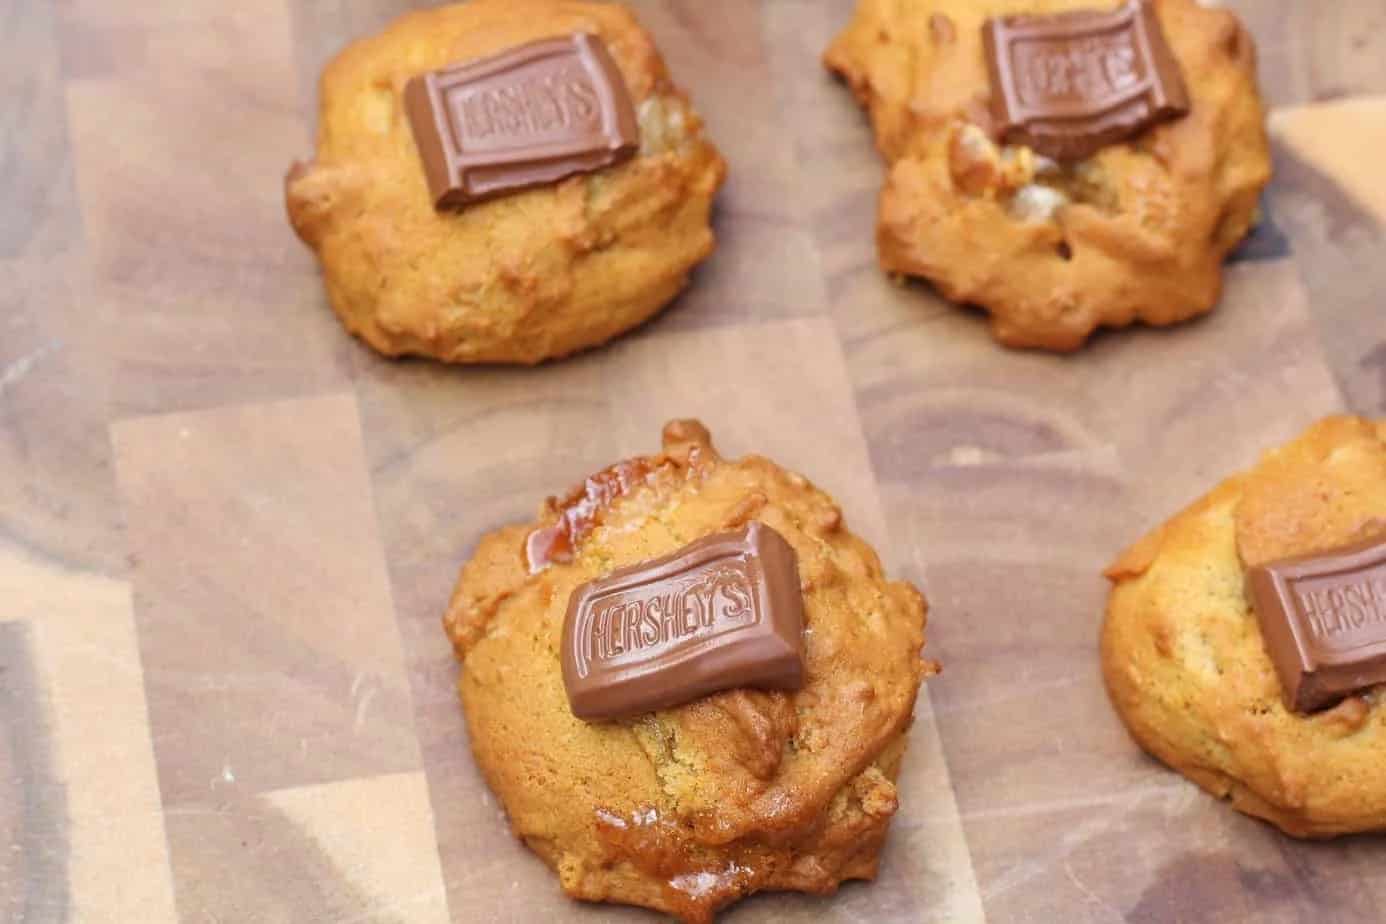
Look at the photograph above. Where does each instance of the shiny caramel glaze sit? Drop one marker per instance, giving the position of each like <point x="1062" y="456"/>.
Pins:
<point x="580" y="511"/>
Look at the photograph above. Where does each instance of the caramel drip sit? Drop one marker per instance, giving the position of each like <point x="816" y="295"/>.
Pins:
<point x="661" y="848"/>
<point x="581" y="511"/>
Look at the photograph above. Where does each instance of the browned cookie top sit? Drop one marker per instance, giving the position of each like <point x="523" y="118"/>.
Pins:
<point x="527" y="275"/>
<point x="1185" y="660"/>
<point x="688" y="808"/>
<point x="1053" y="250"/>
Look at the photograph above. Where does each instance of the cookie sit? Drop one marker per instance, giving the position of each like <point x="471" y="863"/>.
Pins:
<point x="1186" y="662"/>
<point x="524" y="274"/>
<point x="1052" y="250"/>
<point x="688" y="808"/>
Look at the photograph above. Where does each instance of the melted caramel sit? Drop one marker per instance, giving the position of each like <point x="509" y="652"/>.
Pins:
<point x="581" y="511"/>
<point x="661" y="848"/>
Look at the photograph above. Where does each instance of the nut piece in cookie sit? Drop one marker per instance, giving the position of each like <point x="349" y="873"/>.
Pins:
<point x="1063" y="164"/>
<point x="1243" y="640"/>
<point x="719" y="791"/>
<point x="504" y="181"/>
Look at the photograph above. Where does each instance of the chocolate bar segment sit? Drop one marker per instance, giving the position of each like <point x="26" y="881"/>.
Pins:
<point x="725" y="611"/>
<point x="1070" y="84"/>
<point x="1323" y="618"/>
<point x="529" y="116"/>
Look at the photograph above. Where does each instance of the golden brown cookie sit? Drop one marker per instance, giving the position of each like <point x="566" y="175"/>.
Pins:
<point x="525" y="277"/>
<point x="690" y="808"/>
<point x="1136" y="232"/>
<point x="1183" y="655"/>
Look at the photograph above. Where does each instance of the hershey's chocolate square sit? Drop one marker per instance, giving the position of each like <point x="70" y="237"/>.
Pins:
<point x="526" y="117"/>
<point x="1070" y="84"/>
<point x="1323" y="618"/>
<point x="724" y="611"/>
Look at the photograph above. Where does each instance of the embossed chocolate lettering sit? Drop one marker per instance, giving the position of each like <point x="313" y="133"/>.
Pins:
<point x="1323" y="618"/>
<point x="1070" y="84"/>
<point x="1334" y="610"/>
<point x="674" y="611"/>
<point x="725" y="611"/>
<point x="529" y="116"/>
<point x="536" y="105"/>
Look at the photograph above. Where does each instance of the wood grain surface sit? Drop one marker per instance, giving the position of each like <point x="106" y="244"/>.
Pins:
<point x="228" y="531"/>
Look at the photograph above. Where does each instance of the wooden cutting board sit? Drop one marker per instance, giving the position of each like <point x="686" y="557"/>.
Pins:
<point x="227" y="531"/>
